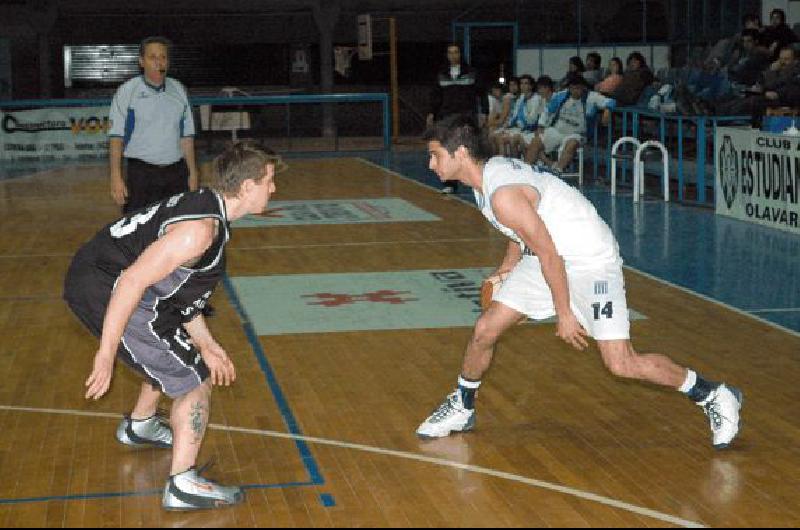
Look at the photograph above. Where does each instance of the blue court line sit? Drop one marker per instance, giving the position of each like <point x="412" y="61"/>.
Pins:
<point x="280" y="399"/>
<point x="327" y="500"/>
<point x="146" y="493"/>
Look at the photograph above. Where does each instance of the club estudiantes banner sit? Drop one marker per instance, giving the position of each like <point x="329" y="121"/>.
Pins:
<point x="758" y="177"/>
<point x="79" y="133"/>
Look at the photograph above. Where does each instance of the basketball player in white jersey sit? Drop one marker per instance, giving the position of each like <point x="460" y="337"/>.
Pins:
<point x="563" y="261"/>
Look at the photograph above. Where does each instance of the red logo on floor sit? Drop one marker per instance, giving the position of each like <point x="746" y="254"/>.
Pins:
<point x="381" y="297"/>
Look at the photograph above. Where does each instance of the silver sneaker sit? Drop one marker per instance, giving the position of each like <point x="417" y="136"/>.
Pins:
<point x="189" y="491"/>
<point x="152" y="432"/>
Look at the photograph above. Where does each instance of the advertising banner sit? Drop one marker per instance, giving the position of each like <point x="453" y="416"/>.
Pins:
<point x="79" y="133"/>
<point x="758" y="177"/>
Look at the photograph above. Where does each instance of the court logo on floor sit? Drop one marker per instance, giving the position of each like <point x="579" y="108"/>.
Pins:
<point x="337" y="212"/>
<point x="319" y="303"/>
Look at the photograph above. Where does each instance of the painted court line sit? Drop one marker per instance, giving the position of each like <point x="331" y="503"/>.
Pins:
<point x="777" y="310"/>
<point x="646" y="275"/>
<point x="566" y="490"/>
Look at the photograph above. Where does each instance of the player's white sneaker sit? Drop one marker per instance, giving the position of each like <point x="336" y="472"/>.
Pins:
<point x="451" y="416"/>
<point x="722" y="407"/>
<point x="152" y="432"/>
<point x="189" y="491"/>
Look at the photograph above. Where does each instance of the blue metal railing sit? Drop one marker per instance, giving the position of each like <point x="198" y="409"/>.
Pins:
<point x="377" y="97"/>
<point x="674" y="131"/>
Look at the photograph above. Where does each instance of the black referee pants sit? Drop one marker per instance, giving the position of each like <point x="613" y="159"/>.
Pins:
<point x="148" y="184"/>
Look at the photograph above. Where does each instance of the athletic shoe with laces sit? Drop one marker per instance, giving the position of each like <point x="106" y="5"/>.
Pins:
<point x="152" y="432"/>
<point x="448" y="190"/>
<point x="189" y="491"/>
<point x="451" y="416"/>
<point x="722" y="407"/>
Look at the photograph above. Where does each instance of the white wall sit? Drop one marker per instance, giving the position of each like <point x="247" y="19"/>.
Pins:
<point x="552" y="61"/>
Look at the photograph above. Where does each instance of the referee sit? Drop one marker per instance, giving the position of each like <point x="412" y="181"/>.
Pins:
<point x="153" y="128"/>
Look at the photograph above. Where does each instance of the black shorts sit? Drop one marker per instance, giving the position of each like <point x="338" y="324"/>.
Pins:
<point x="167" y="360"/>
<point x="148" y="184"/>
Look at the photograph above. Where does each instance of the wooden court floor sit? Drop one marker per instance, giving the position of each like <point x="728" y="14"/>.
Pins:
<point x="321" y="425"/>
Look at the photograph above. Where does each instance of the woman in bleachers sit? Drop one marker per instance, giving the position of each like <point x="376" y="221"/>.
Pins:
<point x="575" y="66"/>
<point x="778" y="34"/>
<point x="635" y="79"/>
<point x="608" y="85"/>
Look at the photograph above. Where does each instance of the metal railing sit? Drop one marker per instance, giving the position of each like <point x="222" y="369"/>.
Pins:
<point x="676" y="133"/>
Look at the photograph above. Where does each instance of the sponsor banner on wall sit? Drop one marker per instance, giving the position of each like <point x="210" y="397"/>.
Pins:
<point x="758" y="177"/>
<point x="79" y="133"/>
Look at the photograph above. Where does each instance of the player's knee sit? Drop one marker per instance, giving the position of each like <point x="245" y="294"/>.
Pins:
<point x="621" y="361"/>
<point x="485" y="333"/>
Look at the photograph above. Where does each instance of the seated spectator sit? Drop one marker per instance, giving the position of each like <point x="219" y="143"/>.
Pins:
<point x="570" y="115"/>
<point x="608" y="85"/>
<point x="778" y="35"/>
<point x="779" y="88"/>
<point x="635" y="79"/>
<point x="594" y="72"/>
<point x="754" y="59"/>
<point x="575" y="66"/>
<point x="493" y="107"/>
<point x="545" y="88"/>
<point x="509" y="101"/>
<point x="508" y="140"/>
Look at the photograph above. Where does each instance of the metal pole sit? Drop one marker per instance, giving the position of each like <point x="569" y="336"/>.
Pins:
<point x="395" y="88"/>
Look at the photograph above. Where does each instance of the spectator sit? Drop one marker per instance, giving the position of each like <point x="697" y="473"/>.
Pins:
<point x="570" y="114"/>
<point x="575" y="66"/>
<point x="610" y="83"/>
<point x="456" y="92"/>
<point x="509" y="101"/>
<point x="594" y="72"/>
<point x="524" y="117"/>
<point x="545" y="88"/>
<point x="778" y="35"/>
<point x="494" y="107"/>
<point x="779" y="89"/>
<point x="636" y="78"/>
<point x="754" y="59"/>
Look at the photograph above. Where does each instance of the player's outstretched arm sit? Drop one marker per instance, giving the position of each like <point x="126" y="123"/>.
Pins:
<point x="515" y="207"/>
<point x="183" y="243"/>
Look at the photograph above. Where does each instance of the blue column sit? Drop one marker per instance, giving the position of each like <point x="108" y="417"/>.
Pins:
<point x="680" y="159"/>
<point x="701" y="160"/>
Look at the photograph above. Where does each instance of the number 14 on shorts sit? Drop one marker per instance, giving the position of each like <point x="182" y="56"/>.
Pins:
<point x="607" y="310"/>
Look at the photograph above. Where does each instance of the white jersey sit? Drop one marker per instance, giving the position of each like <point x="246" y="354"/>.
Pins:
<point x="580" y="235"/>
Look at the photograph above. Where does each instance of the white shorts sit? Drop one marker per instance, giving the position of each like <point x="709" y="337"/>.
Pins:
<point x="552" y="139"/>
<point x="597" y="297"/>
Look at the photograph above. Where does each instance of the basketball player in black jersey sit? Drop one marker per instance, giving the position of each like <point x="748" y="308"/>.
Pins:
<point x="140" y="286"/>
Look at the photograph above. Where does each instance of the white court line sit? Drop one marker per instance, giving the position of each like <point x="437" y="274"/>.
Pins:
<point x="650" y="276"/>
<point x="778" y="310"/>
<point x="566" y="490"/>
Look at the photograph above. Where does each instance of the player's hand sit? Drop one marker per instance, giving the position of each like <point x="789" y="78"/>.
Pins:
<point x="100" y="379"/>
<point x="223" y="373"/>
<point x="570" y="331"/>
<point x="119" y="191"/>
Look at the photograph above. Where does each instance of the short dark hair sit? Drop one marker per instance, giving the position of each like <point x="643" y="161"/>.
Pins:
<point x="529" y="78"/>
<point x="779" y="12"/>
<point x="460" y="130"/>
<point x="496" y="85"/>
<point x="154" y="40"/>
<point x="546" y="81"/>
<point x="752" y="33"/>
<point x="578" y="62"/>
<point x="595" y="56"/>
<point x="639" y="57"/>
<point x="514" y="79"/>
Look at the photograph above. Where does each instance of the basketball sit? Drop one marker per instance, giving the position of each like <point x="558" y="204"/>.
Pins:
<point x="488" y="287"/>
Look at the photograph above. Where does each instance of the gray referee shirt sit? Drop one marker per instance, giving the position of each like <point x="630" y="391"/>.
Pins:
<point x="151" y="120"/>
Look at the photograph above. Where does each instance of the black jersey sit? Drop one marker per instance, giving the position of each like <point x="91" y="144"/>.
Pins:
<point x="173" y="300"/>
